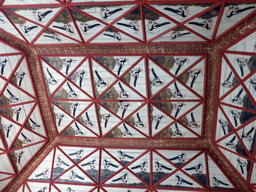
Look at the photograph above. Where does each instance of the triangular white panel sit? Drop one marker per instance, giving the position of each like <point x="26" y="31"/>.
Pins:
<point x="102" y="78"/>
<point x="131" y="24"/>
<point x="61" y="118"/>
<point x="10" y="130"/>
<point x="36" y="186"/>
<point x="26" y="137"/>
<point x="137" y="78"/>
<point x="158" y="78"/>
<point x="70" y="91"/>
<point x="90" y="120"/>
<point x="118" y="64"/>
<point x="123" y="92"/>
<point x="6" y="166"/>
<point x="23" y="78"/>
<point x="139" y="120"/>
<point x="196" y="78"/>
<point x="35" y="122"/>
<point x="108" y="120"/>
<point x="61" y="163"/>
<point x="91" y="165"/>
<point x="125" y="178"/>
<point x="74" y="175"/>
<point x="8" y="63"/>
<point x="181" y="12"/>
<point x="49" y="37"/>
<point x="240" y="64"/>
<point x="82" y="77"/>
<point x="77" y="153"/>
<point x="128" y="131"/>
<point x="233" y="13"/>
<point x="28" y="29"/>
<point x="197" y="169"/>
<point x="28" y="2"/>
<point x="7" y="26"/>
<point x="161" y="168"/>
<point x="39" y="15"/>
<point x="141" y="167"/>
<point x="125" y="156"/>
<point x="64" y="65"/>
<point x="179" y="35"/>
<point x="44" y="170"/>
<point x="218" y="180"/>
<point x="79" y="130"/>
<point x="87" y="26"/>
<point x="240" y="163"/>
<point x="178" y="157"/>
<point x="180" y="180"/>
<point x="107" y="13"/>
<point x="52" y="78"/>
<point x="63" y="24"/>
<point x="159" y="120"/>
<point x="245" y="45"/>
<point x="223" y="126"/>
<point x="228" y="78"/>
<point x="113" y="36"/>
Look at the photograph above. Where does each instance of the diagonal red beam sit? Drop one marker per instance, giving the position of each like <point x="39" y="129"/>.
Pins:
<point x="218" y="21"/>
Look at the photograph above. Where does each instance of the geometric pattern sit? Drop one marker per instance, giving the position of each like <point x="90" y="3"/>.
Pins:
<point x="68" y="168"/>
<point x="235" y="127"/>
<point x="121" y="96"/>
<point x="120" y="22"/>
<point x="22" y="132"/>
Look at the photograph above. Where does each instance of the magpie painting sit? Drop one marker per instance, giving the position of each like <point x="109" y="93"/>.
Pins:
<point x="206" y="24"/>
<point x="27" y="29"/>
<point x="41" y="15"/>
<point x="66" y="27"/>
<point x="235" y="10"/>
<point x="131" y="25"/>
<point x="152" y="25"/>
<point x="106" y="13"/>
<point x="86" y="27"/>
<point x="181" y="11"/>
<point x="227" y="83"/>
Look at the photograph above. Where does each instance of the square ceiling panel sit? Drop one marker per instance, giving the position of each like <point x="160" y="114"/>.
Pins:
<point x="121" y="96"/>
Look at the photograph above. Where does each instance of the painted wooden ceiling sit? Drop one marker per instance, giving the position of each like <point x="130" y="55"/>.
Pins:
<point x="120" y="22"/>
<point x="127" y="96"/>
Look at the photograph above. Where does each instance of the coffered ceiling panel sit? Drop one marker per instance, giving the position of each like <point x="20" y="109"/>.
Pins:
<point x="21" y="125"/>
<point x="140" y="96"/>
<point x="235" y="126"/>
<point x="117" y="169"/>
